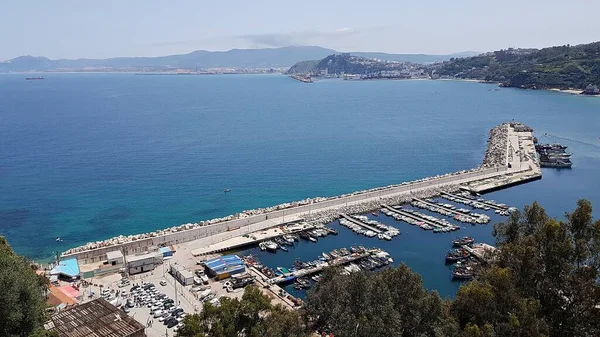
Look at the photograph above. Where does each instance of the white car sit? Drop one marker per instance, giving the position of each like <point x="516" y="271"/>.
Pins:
<point x="124" y="293"/>
<point x="158" y="313"/>
<point x="163" y="317"/>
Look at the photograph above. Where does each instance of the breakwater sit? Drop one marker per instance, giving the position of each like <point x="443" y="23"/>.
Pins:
<point x="323" y="210"/>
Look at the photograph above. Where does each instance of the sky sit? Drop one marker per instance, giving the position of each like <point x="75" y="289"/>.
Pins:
<point x="111" y="28"/>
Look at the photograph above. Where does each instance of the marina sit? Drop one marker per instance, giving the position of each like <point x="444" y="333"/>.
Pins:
<point x="277" y="228"/>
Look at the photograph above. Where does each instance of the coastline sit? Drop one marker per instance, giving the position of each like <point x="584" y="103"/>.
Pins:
<point x="570" y="91"/>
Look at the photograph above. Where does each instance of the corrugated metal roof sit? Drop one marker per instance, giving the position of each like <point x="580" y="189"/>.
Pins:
<point x="97" y="318"/>
<point x="223" y="262"/>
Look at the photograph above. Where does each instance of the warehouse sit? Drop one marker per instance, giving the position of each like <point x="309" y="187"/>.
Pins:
<point x="142" y="263"/>
<point x="225" y="266"/>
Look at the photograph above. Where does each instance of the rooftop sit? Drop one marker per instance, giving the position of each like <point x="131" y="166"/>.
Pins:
<point x="67" y="267"/>
<point x="114" y="255"/>
<point x="224" y="262"/>
<point x="97" y="318"/>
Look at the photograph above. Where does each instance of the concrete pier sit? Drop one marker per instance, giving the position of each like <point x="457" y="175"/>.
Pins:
<point x="360" y="223"/>
<point x="312" y="270"/>
<point x="516" y="164"/>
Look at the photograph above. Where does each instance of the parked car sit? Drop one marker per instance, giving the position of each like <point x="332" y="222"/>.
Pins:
<point x="164" y="316"/>
<point x="163" y="283"/>
<point x="169" y="321"/>
<point x="158" y="313"/>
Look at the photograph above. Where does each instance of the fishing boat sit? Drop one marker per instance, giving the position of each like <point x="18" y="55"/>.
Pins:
<point x="456" y="255"/>
<point x="283" y="248"/>
<point x="227" y="190"/>
<point x="374" y="213"/>
<point x="326" y="256"/>
<point x="302" y="283"/>
<point x="463" y="273"/>
<point x="304" y="235"/>
<point x="466" y="240"/>
<point x="262" y="246"/>
<point x="283" y="270"/>
<point x="312" y="238"/>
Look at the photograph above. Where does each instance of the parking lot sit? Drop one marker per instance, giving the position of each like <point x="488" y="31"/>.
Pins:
<point x="184" y="297"/>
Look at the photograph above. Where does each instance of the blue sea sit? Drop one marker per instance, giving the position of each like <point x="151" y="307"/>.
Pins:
<point x="86" y="157"/>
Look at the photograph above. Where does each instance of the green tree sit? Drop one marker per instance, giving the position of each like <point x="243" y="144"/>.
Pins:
<point x="389" y="303"/>
<point x="22" y="298"/>
<point x="253" y="315"/>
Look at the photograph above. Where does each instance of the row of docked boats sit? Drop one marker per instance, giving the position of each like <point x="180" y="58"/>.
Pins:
<point x="553" y="155"/>
<point x="387" y="232"/>
<point x="399" y="217"/>
<point x="278" y="243"/>
<point x="466" y="198"/>
<point x="450" y="210"/>
<point x="463" y="262"/>
<point x="290" y="239"/>
<point x="378" y="259"/>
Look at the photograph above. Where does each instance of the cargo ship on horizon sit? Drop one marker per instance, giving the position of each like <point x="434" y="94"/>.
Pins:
<point x="34" y="78"/>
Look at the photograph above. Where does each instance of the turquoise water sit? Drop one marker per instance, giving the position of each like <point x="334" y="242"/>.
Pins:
<point x="90" y="156"/>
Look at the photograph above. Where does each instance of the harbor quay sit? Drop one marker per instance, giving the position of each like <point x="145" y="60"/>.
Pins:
<point x="509" y="160"/>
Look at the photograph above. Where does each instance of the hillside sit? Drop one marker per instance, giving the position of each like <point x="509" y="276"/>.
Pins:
<point x="235" y="58"/>
<point x="364" y="68"/>
<point x="560" y="67"/>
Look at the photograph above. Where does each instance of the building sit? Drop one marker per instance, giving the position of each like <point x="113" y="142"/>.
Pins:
<point x="183" y="275"/>
<point x="113" y="263"/>
<point x="165" y="251"/>
<point x="142" y="263"/>
<point x="67" y="269"/>
<point x="96" y="318"/>
<point x="225" y="266"/>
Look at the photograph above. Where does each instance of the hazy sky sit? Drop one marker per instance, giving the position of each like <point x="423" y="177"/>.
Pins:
<point x="107" y="28"/>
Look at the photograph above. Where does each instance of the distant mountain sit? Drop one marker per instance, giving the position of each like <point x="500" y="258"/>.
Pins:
<point x="235" y="58"/>
<point x="561" y="67"/>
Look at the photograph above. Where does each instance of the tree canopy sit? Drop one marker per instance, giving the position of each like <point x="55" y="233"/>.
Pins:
<point x="560" y="67"/>
<point x="22" y="295"/>
<point x="252" y="316"/>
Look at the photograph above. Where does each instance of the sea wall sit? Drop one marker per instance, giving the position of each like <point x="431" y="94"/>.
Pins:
<point x="188" y="232"/>
<point x="315" y="210"/>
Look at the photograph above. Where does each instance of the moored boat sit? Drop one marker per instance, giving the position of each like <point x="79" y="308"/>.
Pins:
<point x="466" y="240"/>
